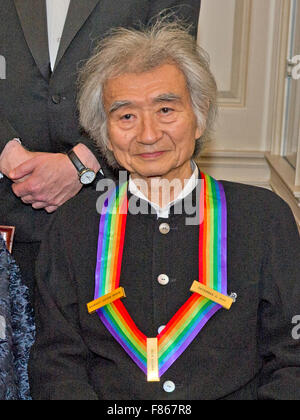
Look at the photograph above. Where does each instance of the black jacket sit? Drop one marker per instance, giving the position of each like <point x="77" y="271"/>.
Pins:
<point x="40" y="109"/>
<point x="245" y="353"/>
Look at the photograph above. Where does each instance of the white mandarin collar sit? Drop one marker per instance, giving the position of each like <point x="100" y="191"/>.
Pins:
<point x="163" y="213"/>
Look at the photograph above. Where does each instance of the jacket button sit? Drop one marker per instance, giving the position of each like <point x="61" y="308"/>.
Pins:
<point x="164" y="228"/>
<point x="56" y="99"/>
<point x="163" y="279"/>
<point x="169" y="386"/>
<point x="160" y="329"/>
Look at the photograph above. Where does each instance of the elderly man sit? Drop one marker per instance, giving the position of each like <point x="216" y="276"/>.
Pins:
<point x="182" y="287"/>
<point x="44" y="156"/>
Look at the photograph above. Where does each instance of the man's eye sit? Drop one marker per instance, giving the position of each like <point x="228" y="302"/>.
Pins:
<point x="127" y="117"/>
<point x="166" y="110"/>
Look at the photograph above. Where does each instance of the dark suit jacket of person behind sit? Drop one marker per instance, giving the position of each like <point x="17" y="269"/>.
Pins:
<point x="40" y="108"/>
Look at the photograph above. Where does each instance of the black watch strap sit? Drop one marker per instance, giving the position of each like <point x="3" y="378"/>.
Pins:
<point x="76" y="161"/>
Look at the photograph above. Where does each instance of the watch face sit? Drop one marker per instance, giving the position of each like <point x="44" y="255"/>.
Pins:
<point x="87" y="177"/>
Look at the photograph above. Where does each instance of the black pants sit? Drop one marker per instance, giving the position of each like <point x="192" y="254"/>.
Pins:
<point x="25" y="255"/>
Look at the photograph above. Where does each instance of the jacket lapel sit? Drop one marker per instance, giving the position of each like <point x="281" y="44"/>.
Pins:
<point x="78" y="13"/>
<point x="33" y="18"/>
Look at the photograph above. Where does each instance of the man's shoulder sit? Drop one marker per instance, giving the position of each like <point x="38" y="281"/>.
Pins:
<point x="254" y="200"/>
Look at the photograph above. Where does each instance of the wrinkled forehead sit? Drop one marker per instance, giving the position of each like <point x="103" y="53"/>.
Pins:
<point x="166" y="82"/>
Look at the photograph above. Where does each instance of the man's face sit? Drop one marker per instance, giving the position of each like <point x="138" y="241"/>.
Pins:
<point x="151" y="124"/>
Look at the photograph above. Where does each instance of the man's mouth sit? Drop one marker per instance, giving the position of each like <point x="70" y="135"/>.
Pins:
<point x="153" y="155"/>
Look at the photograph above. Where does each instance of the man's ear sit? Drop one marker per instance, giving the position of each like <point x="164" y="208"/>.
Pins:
<point x="198" y="133"/>
<point x="204" y="111"/>
<point x="109" y="145"/>
<point x="200" y="130"/>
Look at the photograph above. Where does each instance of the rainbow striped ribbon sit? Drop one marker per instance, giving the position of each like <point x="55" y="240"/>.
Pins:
<point x="197" y="310"/>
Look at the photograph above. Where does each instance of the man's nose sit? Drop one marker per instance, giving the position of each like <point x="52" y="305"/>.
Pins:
<point x="149" y="130"/>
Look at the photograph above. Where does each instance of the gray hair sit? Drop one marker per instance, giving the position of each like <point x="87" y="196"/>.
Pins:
<point x="137" y="51"/>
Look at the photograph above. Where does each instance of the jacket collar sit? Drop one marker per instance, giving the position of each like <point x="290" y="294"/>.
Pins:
<point x="33" y="19"/>
<point x="78" y="13"/>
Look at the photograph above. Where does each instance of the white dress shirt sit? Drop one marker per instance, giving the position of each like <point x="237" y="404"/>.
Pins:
<point x="163" y="213"/>
<point x="57" y="11"/>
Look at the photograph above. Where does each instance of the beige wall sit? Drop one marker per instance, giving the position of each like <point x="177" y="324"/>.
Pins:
<point x="247" y="43"/>
<point x="236" y="35"/>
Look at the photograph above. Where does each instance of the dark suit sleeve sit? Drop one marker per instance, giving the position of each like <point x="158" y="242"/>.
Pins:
<point x="280" y="303"/>
<point x="188" y="10"/>
<point x="7" y="132"/>
<point x="57" y="367"/>
<point x="90" y="144"/>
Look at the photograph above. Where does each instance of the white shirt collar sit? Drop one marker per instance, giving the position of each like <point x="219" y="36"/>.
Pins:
<point x="57" y="11"/>
<point x="163" y="213"/>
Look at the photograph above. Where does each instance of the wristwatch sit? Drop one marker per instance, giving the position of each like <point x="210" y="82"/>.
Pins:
<point x="86" y="175"/>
